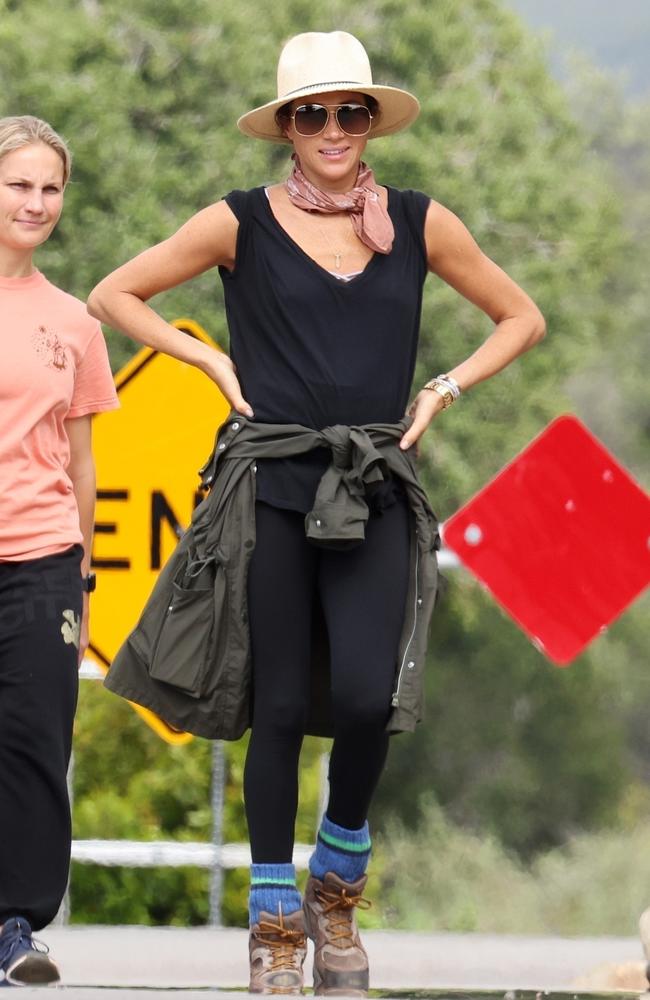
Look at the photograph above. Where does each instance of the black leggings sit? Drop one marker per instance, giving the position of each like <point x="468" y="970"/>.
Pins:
<point x="40" y="605"/>
<point x="362" y="593"/>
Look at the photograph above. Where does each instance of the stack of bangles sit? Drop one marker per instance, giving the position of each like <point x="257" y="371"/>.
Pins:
<point x="445" y="386"/>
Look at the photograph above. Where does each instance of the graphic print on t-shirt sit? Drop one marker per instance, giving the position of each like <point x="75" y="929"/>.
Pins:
<point x="49" y="349"/>
<point x="55" y="368"/>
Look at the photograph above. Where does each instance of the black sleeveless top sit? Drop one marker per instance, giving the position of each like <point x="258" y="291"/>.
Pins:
<point x="312" y="349"/>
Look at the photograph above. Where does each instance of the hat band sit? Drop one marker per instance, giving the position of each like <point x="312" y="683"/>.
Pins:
<point x="324" y="83"/>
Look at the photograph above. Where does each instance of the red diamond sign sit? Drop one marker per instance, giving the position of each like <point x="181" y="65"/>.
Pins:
<point x="560" y="537"/>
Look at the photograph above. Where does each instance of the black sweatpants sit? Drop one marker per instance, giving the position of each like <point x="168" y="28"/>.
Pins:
<point x="40" y="610"/>
<point x="362" y="592"/>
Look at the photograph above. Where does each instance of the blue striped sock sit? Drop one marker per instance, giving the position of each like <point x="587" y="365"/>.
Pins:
<point x="272" y="886"/>
<point x="344" y="852"/>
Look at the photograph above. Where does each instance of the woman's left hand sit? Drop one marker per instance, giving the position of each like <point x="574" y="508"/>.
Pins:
<point x="426" y="405"/>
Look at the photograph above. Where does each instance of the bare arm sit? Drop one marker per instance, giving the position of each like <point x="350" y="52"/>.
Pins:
<point x="455" y="257"/>
<point x="208" y="239"/>
<point x="81" y="470"/>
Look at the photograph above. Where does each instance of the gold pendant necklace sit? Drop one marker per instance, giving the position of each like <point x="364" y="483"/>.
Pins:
<point x="338" y="254"/>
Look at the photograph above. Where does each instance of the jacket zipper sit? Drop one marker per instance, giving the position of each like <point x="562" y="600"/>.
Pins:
<point x="168" y="611"/>
<point x="395" y="697"/>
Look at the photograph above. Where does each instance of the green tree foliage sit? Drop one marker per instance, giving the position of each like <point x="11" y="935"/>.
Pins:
<point x="594" y="885"/>
<point x="148" y="95"/>
<point x="618" y="407"/>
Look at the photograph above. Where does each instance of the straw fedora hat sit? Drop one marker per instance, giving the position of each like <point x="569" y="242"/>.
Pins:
<point x="318" y="62"/>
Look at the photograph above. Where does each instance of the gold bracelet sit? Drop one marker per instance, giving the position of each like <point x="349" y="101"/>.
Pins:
<point x="442" y="390"/>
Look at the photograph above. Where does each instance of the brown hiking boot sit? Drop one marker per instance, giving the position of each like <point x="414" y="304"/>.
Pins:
<point x="340" y="960"/>
<point x="277" y="946"/>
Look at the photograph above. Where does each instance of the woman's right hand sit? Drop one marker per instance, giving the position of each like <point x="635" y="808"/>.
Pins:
<point x="220" y="368"/>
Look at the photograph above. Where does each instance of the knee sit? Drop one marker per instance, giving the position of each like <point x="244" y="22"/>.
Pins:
<point x="284" y="715"/>
<point x="360" y="709"/>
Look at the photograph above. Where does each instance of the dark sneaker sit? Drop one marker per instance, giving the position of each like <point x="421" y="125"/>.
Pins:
<point x="340" y="960"/>
<point x="24" y="961"/>
<point x="277" y="947"/>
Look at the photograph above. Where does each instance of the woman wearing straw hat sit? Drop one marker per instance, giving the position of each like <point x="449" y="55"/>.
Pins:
<point x="323" y="279"/>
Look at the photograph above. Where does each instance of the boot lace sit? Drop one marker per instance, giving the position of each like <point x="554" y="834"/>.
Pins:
<point x="282" y="943"/>
<point x="338" y="908"/>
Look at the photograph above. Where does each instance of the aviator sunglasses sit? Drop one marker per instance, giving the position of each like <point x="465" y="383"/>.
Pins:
<point x="312" y="119"/>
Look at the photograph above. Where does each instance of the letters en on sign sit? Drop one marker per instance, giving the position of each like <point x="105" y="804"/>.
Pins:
<point x="561" y="538"/>
<point x="147" y="454"/>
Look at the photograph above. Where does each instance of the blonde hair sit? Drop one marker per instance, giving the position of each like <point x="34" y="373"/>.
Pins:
<point x="22" y="130"/>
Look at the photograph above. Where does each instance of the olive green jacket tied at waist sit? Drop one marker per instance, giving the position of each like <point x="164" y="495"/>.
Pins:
<point x="189" y="659"/>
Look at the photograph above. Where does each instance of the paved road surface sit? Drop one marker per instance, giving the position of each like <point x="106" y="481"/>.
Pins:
<point x="205" y="962"/>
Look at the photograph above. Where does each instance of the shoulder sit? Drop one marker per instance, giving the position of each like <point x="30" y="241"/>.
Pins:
<point x="446" y="234"/>
<point x="65" y="300"/>
<point x="409" y="200"/>
<point x="408" y="211"/>
<point x="241" y="203"/>
<point x="71" y="311"/>
<point x="409" y="205"/>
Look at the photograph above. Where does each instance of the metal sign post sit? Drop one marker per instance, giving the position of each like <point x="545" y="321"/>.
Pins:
<point x="217" y="795"/>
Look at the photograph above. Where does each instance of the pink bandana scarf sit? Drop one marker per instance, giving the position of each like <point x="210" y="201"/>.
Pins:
<point x="370" y="220"/>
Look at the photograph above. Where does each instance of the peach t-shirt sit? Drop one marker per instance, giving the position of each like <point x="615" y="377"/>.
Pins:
<point x="53" y="365"/>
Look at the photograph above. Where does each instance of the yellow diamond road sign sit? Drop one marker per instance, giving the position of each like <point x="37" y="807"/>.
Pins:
<point x="147" y="455"/>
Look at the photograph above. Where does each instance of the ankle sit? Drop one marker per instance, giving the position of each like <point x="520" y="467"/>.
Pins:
<point x="341" y="851"/>
<point x="273" y="890"/>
